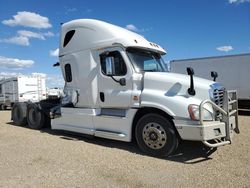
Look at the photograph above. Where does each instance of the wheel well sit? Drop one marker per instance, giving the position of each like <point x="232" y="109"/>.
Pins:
<point x="146" y="110"/>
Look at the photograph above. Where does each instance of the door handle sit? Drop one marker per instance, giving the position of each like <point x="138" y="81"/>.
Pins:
<point x="102" y="96"/>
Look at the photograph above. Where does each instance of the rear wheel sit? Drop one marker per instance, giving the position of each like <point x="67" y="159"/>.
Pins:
<point x="18" y="113"/>
<point x="35" y="117"/>
<point x="3" y="107"/>
<point x="156" y="136"/>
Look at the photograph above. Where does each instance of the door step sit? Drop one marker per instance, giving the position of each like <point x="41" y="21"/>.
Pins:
<point x="109" y="135"/>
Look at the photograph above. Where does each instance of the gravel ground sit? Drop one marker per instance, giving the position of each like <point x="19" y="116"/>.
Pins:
<point x="47" y="158"/>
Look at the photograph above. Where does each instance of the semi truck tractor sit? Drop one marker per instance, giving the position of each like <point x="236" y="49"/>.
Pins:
<point x="117" y="87"/>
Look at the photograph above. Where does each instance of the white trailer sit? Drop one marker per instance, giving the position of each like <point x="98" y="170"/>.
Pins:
<point x="233" y="71"/>
<point x="117" y="87"/>
<point x="22" y="88"/>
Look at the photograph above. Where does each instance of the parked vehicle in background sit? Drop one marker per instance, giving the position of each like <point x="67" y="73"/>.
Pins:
<point x="117" y="87"/>
<point x="22" y="88"/>
<point x="233" y="72"/>
<point x="54" y="93"/>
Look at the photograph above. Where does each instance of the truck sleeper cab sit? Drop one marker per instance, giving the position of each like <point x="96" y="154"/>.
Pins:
<point x="117" y="87"/>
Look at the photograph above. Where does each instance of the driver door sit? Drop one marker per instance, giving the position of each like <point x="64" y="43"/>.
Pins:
<point x="113" y="94"/>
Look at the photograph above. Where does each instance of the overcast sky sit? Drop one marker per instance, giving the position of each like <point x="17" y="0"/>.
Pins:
<point x="29" y="36"/>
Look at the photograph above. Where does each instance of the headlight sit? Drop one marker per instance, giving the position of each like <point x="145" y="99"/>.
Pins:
<point x="194" y="113"/>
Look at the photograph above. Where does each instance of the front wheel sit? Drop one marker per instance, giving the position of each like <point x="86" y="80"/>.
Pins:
<point x="156" y="136"/>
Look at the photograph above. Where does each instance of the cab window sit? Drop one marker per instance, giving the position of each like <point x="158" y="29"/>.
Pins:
<point x="68" y="37"/>
<point x="68" y="73"/>
<point x="120" y="66"/>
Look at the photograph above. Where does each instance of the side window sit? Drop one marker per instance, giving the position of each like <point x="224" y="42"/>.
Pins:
<point x="68" y="37"/>
<point x="120" y="66"/>
<point x="68" y="73"/>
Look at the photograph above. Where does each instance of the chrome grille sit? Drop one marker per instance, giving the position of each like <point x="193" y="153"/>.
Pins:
<point x="218" y="96"/>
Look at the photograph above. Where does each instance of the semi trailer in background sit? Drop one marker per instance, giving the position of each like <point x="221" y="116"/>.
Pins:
<point x="117" y="87"/>
<point x="22" y="88"/>
<point x="233" y="72"/>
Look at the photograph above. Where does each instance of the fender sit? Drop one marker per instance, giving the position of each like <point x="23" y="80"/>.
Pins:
<point x="157" y="105"/>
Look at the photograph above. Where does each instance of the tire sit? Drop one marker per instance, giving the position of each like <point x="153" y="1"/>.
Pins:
<point x="156" y="136"/>
<point x="3" y="107"/>
<point x="18" y="114"/>
<point x="35" y="117"/>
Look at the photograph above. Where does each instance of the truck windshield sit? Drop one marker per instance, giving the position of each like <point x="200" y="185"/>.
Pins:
<point x="146" y="61"/>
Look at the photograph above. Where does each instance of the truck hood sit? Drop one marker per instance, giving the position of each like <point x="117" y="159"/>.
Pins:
<point x="174" y="84"/>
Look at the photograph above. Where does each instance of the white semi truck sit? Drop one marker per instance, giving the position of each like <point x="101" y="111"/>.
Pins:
<point x="117" y="87"/>
<point x="21" y="88"/>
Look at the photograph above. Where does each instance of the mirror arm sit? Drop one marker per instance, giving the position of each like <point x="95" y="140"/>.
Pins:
<point x="115" y="79"/>
<point x="122" y="81"/>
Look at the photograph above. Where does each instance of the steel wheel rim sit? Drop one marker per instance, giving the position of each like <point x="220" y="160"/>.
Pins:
<point x="154" y="135"/>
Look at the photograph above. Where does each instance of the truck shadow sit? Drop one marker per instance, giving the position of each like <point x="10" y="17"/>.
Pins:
<point x="188" y="152"/>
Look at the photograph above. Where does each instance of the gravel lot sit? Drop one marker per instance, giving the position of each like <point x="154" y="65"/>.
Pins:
<point x="47" y="158"/>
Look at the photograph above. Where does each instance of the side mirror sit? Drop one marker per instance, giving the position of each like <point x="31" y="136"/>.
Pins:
<point x="214" y="75"/>
<point x="110" y="66"/>
<point x="122" y="81"/>
<point x="56" y="64"/>
<point x="190" y="71"/>
<point x="191" y="90"/>
<point x="110" y="70"/>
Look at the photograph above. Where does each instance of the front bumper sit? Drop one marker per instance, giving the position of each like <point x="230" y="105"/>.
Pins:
<point x="210" y="130"/>
<point x="219" y="132"/>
